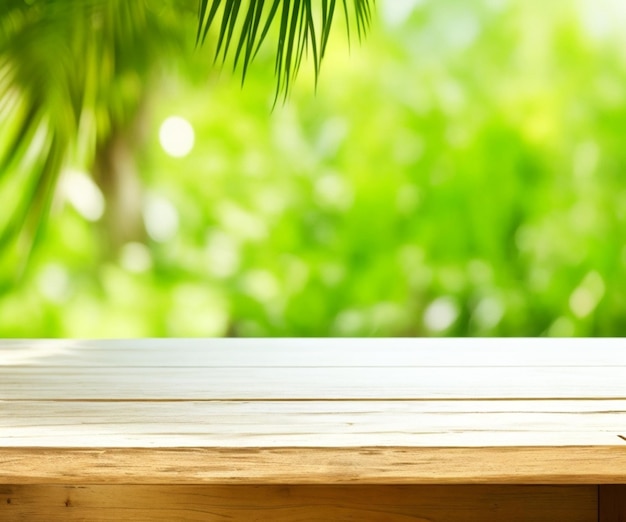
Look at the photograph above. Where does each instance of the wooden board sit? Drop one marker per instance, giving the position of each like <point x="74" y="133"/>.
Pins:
<point x="171" y="424"/>
<point x="612" y="503"/>
<point x="313" y="411"/>
<point x="308" y="383"/>
<point x="276" y="353"/>
<point x="292" y="503"/>
<point x="314" y="465"/>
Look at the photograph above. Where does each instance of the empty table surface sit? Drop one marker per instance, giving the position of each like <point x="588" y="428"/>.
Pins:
<point x="313" y="411"/>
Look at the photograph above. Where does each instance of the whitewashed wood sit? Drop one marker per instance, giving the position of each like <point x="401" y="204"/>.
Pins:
<point x="313" y="411"/>
<point x="315" y="352"/>
<point x="300" y="424"/>
<point x="262" y="383"/>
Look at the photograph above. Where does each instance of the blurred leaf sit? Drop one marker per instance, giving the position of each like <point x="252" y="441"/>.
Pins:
<point x="81" y="68"/>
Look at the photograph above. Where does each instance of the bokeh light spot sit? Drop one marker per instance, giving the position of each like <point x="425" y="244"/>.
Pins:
<point x="83" y="194"/>
<point x="441" y="314"/>
<point x="177" y="136"/>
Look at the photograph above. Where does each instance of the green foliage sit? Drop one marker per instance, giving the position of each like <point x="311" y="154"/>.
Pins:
<point x="70" y="73"/>
<point x="75" y="74"/>
<point x="462" y="173"/>
<point x="298" y="31"/>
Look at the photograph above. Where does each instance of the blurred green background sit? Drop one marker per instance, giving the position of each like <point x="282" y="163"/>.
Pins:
<point x="460" y="172"/>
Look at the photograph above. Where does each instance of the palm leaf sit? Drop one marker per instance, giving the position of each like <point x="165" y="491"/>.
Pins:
<point x="61" y="60"/>
<point x="303" y="26"/>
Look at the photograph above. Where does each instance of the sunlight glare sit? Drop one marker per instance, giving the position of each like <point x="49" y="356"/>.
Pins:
<point x="84" y="195"/>
<point x="176" y="136"/>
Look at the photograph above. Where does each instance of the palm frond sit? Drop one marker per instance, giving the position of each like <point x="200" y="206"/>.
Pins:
<point x="72" y="71"/>
<point x="303" y="27"/>
<point x="69" y="72"/>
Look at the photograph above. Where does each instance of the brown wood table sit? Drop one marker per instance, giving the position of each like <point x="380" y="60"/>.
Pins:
<point x="444" y="430"/>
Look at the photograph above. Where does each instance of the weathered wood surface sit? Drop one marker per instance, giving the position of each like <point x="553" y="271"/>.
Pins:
<point x="314" y="465"/>
<point x="276" y="353"/>
<point x="313" y="411"/>
<point x="300" y="383"/>
<point x="299" y="503"/>
<point x="325" y="369"/>
<point x="172" y="424"/>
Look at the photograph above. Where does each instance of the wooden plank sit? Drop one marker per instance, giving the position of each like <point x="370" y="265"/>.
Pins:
<point x="612" y="503"/>
<point x="315" y="352"/>
<point x="312" y="412"/>
<point x="303" y="423"/>
<point x="265" y="383"/>
<point x="289" y="503"/>
<point x="367" y="465"/>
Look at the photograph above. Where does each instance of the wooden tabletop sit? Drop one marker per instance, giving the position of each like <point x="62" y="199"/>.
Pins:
<point x="313" y="411"/>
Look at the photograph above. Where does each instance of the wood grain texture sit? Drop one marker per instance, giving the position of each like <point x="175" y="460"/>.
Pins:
<point x="327" y="352"/>
<point x="612" y="503"/>
<point x="313" y="411"/>
<point x="302" y="423"/>
<point x="309" y="369"/>
<point x="310" y="383"/>
<point x="366" y="465"/>
<point x="299" y="503"/>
